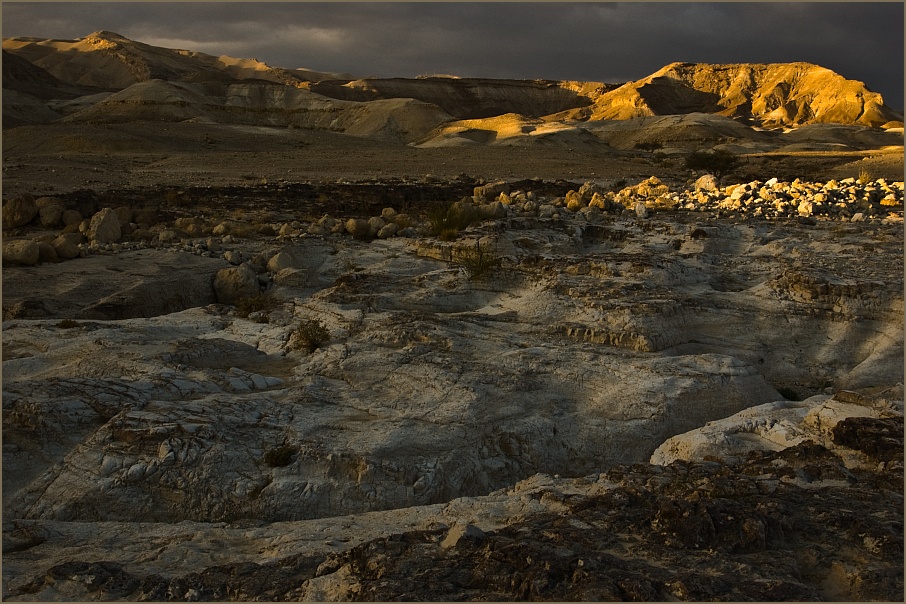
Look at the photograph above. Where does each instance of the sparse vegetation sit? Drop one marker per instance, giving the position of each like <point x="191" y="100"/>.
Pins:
<point x="717" y="163"/>
<point x="262" y="303"/>
<point x="649" y="146"/>
<point x="479" y="262"/>
<point x="865" y="177"/>
<point x="279" y="457"/>
<point x="447" y="220"/>
<point x="310" y="335"/>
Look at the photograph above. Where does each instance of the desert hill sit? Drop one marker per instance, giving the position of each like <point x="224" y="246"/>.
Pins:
<point x="105" y="78"/>
<point x="785" y="94"/>
<point x="471" y="98"/>
<point x="109" y="60"/>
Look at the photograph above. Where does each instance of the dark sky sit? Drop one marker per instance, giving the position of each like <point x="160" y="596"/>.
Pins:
<point x="610" y="42"/>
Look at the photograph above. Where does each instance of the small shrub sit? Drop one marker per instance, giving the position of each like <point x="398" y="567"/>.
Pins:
<point x="479" y="262"/>
<point x="262" y="303"/>
<point x="310" y="335"/>
<point x="279" y="457"/>
<point x="447" y="220"/>
<point x="865" y="177"/>
<point x="68" y="324"/>
<point x="717" y="163"/>
<point x="649" y="146"/>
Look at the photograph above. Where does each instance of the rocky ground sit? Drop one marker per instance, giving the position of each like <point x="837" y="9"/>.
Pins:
<point x="463" y="414"/>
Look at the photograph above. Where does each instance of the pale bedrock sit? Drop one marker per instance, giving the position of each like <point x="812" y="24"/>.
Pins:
<point x="779" y="425"/>
<point x="140" y="283"/>
<point x="401" y="408"/>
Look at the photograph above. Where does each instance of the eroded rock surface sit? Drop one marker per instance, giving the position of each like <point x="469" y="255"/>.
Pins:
<point x="791" y="525"/>
<point x="421" y="431"/>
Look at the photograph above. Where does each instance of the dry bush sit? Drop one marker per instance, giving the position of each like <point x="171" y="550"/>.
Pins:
<point x="479" y="262"/>
<point x="310" y="335"/>
<point x="447" y="220"/>
<point x="263" y="303"/>
<point x="717" y="163"/>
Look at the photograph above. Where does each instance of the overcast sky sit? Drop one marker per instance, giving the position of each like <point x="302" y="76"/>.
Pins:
<point x="609" y="42"/>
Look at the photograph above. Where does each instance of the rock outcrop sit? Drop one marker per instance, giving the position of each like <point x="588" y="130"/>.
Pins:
<point x="781" y="94"/>
<point x="394" y="407"/>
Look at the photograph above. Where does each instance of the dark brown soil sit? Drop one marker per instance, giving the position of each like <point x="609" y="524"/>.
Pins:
<point x="47" y="160"/>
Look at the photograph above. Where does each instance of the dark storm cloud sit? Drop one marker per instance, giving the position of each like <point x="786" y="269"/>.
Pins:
<point x="611" y="42"/>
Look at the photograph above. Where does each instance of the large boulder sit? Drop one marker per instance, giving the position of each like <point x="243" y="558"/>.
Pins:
<point x="67" y="245"/>
<point x="234" y="283"/>
<point x="292" y="277"/>
<point x="24" y="251"/>
<point x="283" y="259"/>
<point x="490" y="191"/>
<point x="46" y="252"/>
<point x="358" y="228"/>
<point x="51" y="215"/>
<point x="71" y="217"/>
<point x="706" y="182"/>
<point x="19" y="211"/>
<point x="375" y="224"/>
<point x="104" y="227"/>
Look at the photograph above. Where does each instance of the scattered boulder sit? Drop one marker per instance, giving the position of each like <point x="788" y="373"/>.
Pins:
<point x="492" y="210"/>
<point x="66" y="246"/>
<point x="224" y="228"/>
<point x="707" y="182"/>
<point x="292" y="277"/>
<point x="234" y="283"/>
<point x="282" y="260"/>
<point x="388" y="230"/>
<point x="358" y="228"/>
<point x="19" y="211"/>
<point x="46" y="252"/>
<point x="641" y="210"/>
<point x="574" y="201"/>
<point x="375" y="224"/>
<point x="23" y="251"/>
<point x="587" y="191"/>
<point x="490" y="191"/>
<point x="71" y="217"/>
<point x="104" y="227"/>
<point x="599" y="201"/>
<point x="51" y="215"/>
<point x="806" y="208"/>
